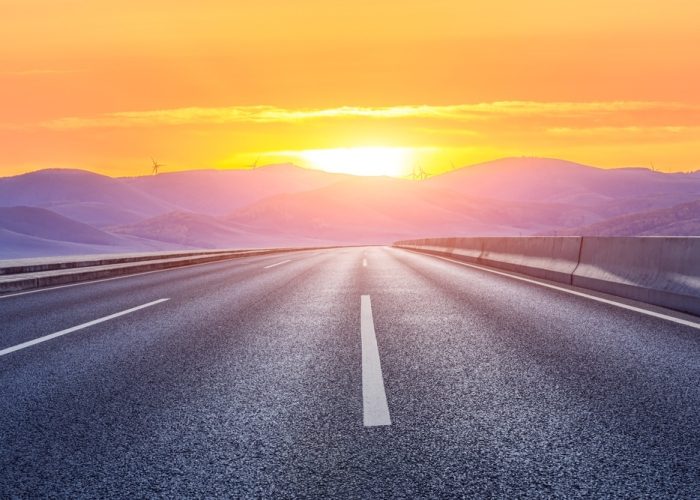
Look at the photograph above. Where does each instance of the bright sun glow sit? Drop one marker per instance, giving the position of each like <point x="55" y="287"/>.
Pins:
<point x="393" y="162"/>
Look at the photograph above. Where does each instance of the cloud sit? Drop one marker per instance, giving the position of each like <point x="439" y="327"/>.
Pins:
<point x="538" y="111"/>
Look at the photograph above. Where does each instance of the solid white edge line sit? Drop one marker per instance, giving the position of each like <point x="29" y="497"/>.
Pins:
<point x="277" y="264"/>
<point x="39" y="340"/>
<point x="621" y="305"/>
<point x="374" y="405"/>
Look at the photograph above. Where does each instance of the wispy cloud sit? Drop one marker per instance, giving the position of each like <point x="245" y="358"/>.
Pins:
<point x="460" y="112"/>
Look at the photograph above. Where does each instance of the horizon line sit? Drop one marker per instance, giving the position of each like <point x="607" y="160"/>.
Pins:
<point x="406" y="176"/>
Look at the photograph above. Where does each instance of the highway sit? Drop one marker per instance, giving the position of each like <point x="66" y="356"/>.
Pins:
<point x="346" y="373"/>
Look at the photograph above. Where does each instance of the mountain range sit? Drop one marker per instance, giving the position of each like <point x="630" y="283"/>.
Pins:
<point x="65" y="211"/>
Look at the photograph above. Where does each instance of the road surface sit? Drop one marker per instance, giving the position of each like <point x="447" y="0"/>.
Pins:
<point x="347" y="373"/>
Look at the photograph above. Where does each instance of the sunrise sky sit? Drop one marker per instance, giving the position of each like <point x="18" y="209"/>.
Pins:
<point x="104" y="85"/>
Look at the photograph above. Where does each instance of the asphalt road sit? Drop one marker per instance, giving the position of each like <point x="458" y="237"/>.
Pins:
<point x="248" y="382"/>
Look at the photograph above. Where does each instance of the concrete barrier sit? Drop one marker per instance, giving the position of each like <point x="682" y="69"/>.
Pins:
<point x="548" y="258"/>
<point x="663" y="271"/>
<point x="30" y="280"/>
<point x="468" y="249"/>
<point x="39" y="264"/>
<point x="658" y="270"/>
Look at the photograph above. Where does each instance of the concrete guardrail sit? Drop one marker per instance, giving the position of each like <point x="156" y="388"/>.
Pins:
<point x="39" y="264"/>
<point x="663" y="271"/>
<point x="36" y="274"/>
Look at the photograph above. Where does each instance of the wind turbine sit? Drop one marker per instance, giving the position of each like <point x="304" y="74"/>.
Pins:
<point x="418" y="173"/>
<point x="251" y="166"/>
<point x="156" y="166"/>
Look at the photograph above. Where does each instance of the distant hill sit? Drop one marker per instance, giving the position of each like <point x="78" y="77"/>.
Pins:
<point x="288" y="205"/>
<point x="218" y="192"/>
<point x="84" y="196"/>
<point x="44" y="223"/>
<point x="381" y="210"/>
<point x="103" y="201"/>
<point x="32" y="231"/>
<point x="610" y="192"/>
<point x="679" y="220"/>
<point x="196" y="230"/>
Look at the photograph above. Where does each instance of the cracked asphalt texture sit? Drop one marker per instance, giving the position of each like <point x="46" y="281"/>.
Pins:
<point x="247" y="384"/>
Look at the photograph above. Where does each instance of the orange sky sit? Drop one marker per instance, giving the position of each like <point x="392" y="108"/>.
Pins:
<point x="213" y="83"/>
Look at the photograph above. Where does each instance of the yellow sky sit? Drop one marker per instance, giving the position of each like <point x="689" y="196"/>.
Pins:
<point x="105" y="85"/>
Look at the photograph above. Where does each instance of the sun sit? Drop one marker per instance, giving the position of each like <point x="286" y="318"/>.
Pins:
<point x="390" y="161"/>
